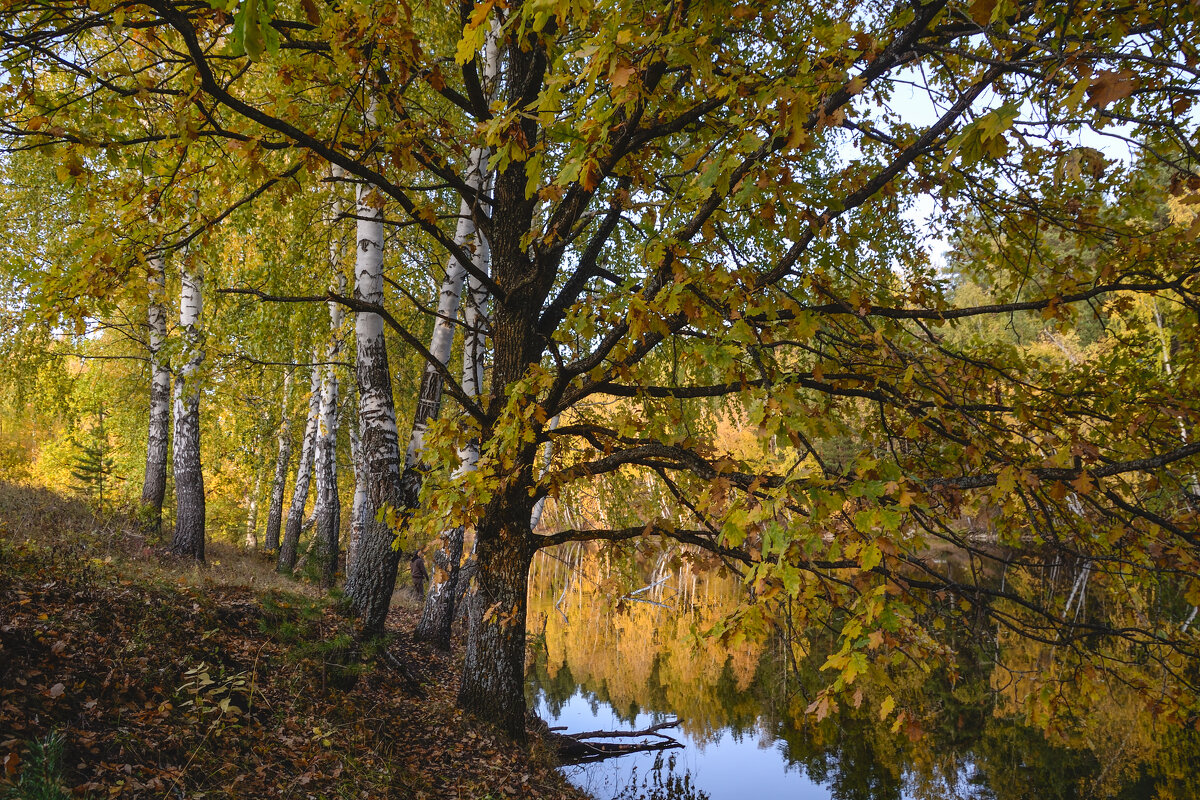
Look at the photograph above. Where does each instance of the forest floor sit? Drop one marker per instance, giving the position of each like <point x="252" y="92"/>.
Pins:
<point x="161" y="679"/>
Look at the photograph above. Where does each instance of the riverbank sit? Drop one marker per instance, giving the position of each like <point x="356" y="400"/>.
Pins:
<point x="156" y="678"/>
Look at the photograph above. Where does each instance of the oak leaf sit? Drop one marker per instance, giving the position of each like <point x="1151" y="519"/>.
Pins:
<point x="1110" y="86"/>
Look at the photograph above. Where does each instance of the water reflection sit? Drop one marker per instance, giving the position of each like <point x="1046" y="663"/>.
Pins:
<point x="606" y="660"/>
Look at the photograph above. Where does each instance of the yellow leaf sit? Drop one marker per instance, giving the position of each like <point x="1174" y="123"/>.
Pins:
<point x="1084" y="483"/>
<point x="886" y="707"/>
<point x="981" y="11"/>
<point x="621" y="75"/>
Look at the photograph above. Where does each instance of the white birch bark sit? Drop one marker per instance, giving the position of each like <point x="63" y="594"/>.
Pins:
<point x="295" y="517"/>
<point x="372" y="575"/>
<point x="278" y="485"/>
<point x="189" y="478"/>
<point x="357" y="519"/>
<point x="328" y="510"/>
<point x="429" y="401"/>
<point x="154" y="487"/>
<point x="251" y="542"/>
<point x="437" y="615"/>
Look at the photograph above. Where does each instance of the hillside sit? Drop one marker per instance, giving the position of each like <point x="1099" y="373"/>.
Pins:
<point x="159" y="678"/>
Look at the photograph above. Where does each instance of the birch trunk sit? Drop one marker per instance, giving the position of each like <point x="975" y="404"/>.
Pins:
<point x="251" y="542"/>
<point x="189" y="478"/>
<point x="328" y="511"/>
<point x="295" y="518"/>
<point x="154" y="488"/>
<point x="429" y="400"/>
<point x="535" y="518"/>
<point x="275" y="513"/>
<point x="357" y="520"/>
<point x="437" y="616"/>
<point x="372" y="576"/>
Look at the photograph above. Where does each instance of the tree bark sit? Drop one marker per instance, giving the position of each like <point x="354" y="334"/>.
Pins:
<point x="275" y="513"/>
<point x="295" y="518"/>
<point x="429" y="401"/>
<point x="189" y="477"/>
<point x="357" y="520"/>
<point x="437" y="615"/>
<point x="154" y="487"/>
<point x="493" y="680"/>
<point x="535" y="518"/>
<point x="492" y="684"/>
<point x="251" y="542"/>
<point x="328" y="509"/>
<point x="372" y="576"/>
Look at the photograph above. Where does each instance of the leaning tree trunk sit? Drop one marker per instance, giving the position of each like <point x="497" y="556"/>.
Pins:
<point x="437" y="616"/>
<point x="535" y="518"/>
<point x="295" y="518"/>
<point x="275" y="513"/>
<point x="189" y="479"/>
<point x="372" y="576"/>
<point x="328" y="511"/>
<point x="154" y="488"/>
<point x="429" y="398"/>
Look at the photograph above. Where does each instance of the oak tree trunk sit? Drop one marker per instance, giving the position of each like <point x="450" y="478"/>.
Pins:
<point x="493" y="681"/>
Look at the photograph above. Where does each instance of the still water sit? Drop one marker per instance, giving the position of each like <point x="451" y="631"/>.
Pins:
<point x="727" y="766"/>
<point x="746" y="729"/>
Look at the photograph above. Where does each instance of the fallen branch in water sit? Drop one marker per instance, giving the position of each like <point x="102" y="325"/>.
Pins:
<point x="574" y="748"/>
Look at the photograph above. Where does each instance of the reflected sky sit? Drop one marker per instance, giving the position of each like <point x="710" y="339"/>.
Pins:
<point x="729" y="767"/>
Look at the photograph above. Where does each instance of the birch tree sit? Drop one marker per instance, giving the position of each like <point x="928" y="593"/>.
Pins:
<point x="304" y="468"/>
<point x="358" y="504"/>
<point x="154" y="486"/>
<point x="189" y="476"/>
<point x="279" y="482"/>
<point x="437" y="614"/>
<point x="372" y="575"/>
<point x="328" y="505"/>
